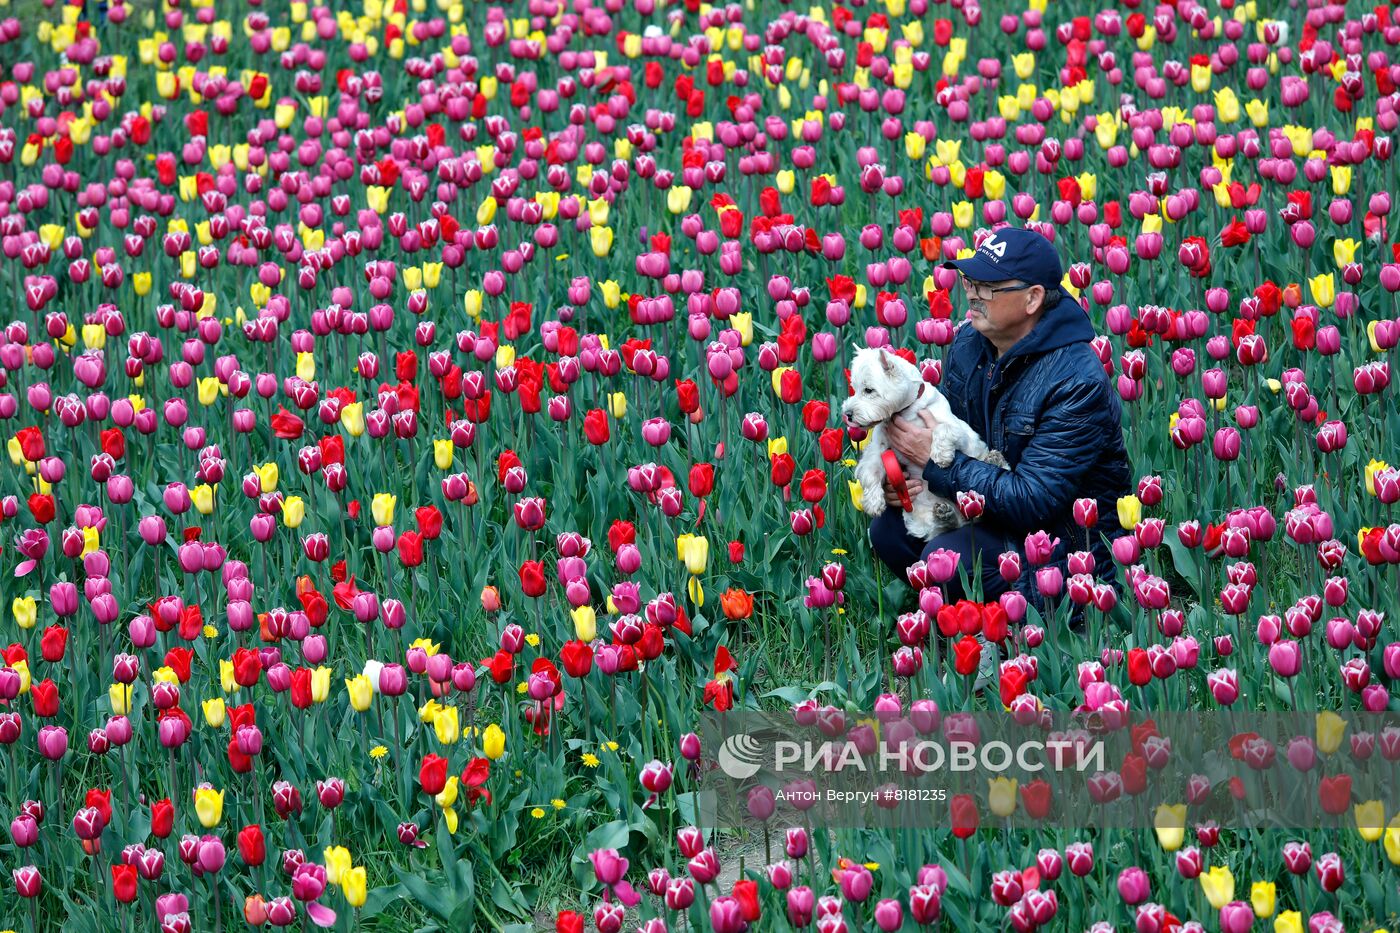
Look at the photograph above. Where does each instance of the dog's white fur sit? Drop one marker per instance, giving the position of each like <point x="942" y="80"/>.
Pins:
<point x="887" y="387"/>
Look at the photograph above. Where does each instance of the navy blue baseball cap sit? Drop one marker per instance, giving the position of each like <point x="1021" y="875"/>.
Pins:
<point x="1013" y="253"/>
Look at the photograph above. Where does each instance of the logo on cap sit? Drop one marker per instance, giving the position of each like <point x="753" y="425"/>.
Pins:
<point x="995" y="246"/>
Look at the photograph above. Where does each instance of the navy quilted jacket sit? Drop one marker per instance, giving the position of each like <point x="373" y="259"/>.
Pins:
<point x="1049" y="407"/>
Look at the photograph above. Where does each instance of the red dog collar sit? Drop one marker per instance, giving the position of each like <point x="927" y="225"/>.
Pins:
<point x="895" y="473"/>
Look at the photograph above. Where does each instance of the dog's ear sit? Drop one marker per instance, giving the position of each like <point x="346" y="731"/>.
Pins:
<point x="886" y="361"/>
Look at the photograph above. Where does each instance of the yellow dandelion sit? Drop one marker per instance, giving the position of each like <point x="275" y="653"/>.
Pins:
<point x="532" y="640"/>
<point x="379" y="751"/>
<point x="557" y="804"/>
<point x="610" y="746"/>
<point x="537" y="813"/>
<point x="590" y="760"/>
<point x="210" y="632"/>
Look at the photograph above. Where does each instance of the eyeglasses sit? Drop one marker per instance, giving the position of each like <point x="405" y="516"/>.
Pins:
<point x="982" y="292"/>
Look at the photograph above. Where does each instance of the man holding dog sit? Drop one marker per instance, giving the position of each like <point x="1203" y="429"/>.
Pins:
<point x="1021" y="372"/>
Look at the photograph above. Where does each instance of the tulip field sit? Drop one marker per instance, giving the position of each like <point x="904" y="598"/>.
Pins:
<point x="420" y="414"/>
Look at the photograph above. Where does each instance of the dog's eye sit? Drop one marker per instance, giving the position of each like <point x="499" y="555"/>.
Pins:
<point x="869" y="390"/>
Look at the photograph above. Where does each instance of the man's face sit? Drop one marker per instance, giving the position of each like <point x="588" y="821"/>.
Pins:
<point x="999" y="310"/>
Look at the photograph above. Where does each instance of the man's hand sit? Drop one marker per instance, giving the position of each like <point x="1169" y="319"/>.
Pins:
<point x="913" y="441"/>
<point x="913" y="484"/>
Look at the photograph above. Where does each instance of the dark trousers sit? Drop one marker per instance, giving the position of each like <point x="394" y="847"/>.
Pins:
<point x="898" y="549"/>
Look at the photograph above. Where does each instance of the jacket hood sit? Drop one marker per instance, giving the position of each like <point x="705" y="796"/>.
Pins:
<point x="1062" y="325"/>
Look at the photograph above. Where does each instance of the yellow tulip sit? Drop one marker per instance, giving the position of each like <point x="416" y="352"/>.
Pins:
<point x="486" y="212"/>
<point x="600" y="239"/>
<point x="352" y="417"/>
<point x="320" y="684"/>
<point x="1001" y="796"/>
<point x="1392" y="840"/>
<point x="493" y="742"/>
<point x="446" y="726"/>
<point x="742" y="321"/>
<point x="1106" y="131"/>
<point x="382" y="508"/>
<point x="585" y="623"/>
<point x="352" y="885"/>
<point x="1372" y="468"/>
<point x="120" y="697"/>
<point x="505" y="356"/>
<point x="1290" y="921"/>
<point x="21" y="667"/>
<point x="1262" y="898"/>
<point x="962" y="214"/>
<point x="786" y="179"/>
<point x="697" y="554"/>
<point x="612" y="293"/>
<point x="141" y="282"/>
<point x="1170" y="824"/>
<point x="26" y="611"/>
<point x="993" y="185"/>
<point x="678" y="199"/>
<point x="1129" y="512"/>
<point x="337" y="862"/>
<point x="267" y="477"/>
<point x="449" y="816"/>
<point x="857" y="493"/>
<point x="1200" y="78"/>
<point x="442" y="454"/>
<point x="1227" y="105"/>
<point x="617" y="405"/>
<point x="1024" y="64"/>
<point x="471" y="302"/>
<point x="306" y="366"/>
<point x="1258" y="111"/>
<point x="1330" y="728"/>
<point x="1344" y="251"/>
<point x="448" y="796"/>
<point x="226" y="681"/>
<point x="209" y="806"/>
<point x="914" y="145"/>
<point x="1341" y="179"/>
<point x="1370" y="819"/>
<point x="598" y="210"/>
<point x="215" y="713"/>
<point x="361" y="692"/>
<point x="1218" y="885"/>
<point x="293" y="511"/>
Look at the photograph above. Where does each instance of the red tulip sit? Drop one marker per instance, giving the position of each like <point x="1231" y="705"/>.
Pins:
<point x="964" y="815"/>
<point x="967" y="655"/>
<point x="252" y="847"/>
<point x="532" y="579"/>
<point x="124" y="880"/>
<point x="782" y="469"/>
<point x="162" y="818"/>
<point x="577" y="658"/>
<point x="410" y="549"/>
<point x="432" y="774"/>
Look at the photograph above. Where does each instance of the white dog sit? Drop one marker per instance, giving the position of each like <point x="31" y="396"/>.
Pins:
<point x="888" y="387"/>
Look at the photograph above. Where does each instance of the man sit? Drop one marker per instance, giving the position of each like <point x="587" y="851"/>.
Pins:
<point x="1021" y="372"/>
